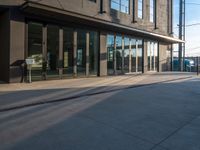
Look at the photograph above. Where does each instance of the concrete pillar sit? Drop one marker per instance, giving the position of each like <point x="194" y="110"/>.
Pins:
<point x="150" y="48"/>
<point x="154" y="57"/>
<point x="75" y="54"/>
<point x="130" y="57"/>
<point x="103" y="55"/>
<point x="136" y="57"/>
<point x="115" y="56"/>
<point x="87" y="54"/>
<point x="44" y="42"/>
<point x="122" y="54"/>
<point x="60" y="52"/>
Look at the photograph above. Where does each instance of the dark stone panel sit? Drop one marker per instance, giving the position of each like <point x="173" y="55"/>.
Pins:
<point x="17" y="44"/>
<point x="4" y="46"/>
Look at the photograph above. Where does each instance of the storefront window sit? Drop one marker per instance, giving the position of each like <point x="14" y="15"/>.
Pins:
<point x="133" y="56"/>
<point x="53" y="61"/>
<point x="110" y="54"/>
<point x="35" y="48"/>
<point x="119" y="54"/>
<point x="67" y="52"/>
<point x="81" y="53"/>
<point x="126" y="54"/>
<point x="94" y="53"/>
<point x="152" y="53"/>
<point x="139" y="55"/>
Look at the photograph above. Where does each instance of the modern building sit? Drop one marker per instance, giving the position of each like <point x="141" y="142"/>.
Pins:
<point x="82" y="38"/>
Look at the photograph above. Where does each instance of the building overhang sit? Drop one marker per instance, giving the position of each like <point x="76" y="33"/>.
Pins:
<point x="55" y="13"/>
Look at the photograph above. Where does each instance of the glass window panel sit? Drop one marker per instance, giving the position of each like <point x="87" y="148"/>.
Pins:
<point x="152" y="56"/>
<point x="139" y="55"/>
<point x="126" y="54"/>
<point x="110" y="54"/>
<point x="140" y="9"/>
<point x="152" y="10"/>
<point x="115" y="4"/>
<point x="67" y="52"/>
<point x="94" y="53"/>
<point x="81" y="53"/>
<point x="52" y="51"/>
<point x="119" y="54"/>
<point x="133" y="56"/>
<point x="35" y="48"/>
<point x="120" y="5"/>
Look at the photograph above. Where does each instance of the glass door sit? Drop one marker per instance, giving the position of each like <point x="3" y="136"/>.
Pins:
<point x="110" y="54"/>
<point x="119" y="55"/>
<point x="93" y="53"/>
<point x="81" y="53"/>
<point x="35" y="40"/>
<point x="68" y="52"/>
<point x="126" y="55"/>
<point x="52" y="64"/>
<point x="152" y="56"/>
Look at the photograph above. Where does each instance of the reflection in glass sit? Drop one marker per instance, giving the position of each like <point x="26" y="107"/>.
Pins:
<point x="94" y="53"/>
<point x="140" y="9"/>
<point x="67" y="52"/>
<point x="52" y="51"/>
<point x="133" y="56"/>
<point x="81" y="53"/>
<point x="35" y="48"/>
<point x="126" y="54"/>
<point x="139" y="54"/>
<point x="152" y="53"/>
<point x="137" y="48"/>
<point x="119" y="54"/>
<point x="110" y="54"/>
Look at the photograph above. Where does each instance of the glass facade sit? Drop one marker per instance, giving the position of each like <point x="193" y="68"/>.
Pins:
<point x="52" y="48"/>
<point x="61" y="52"/>
<point x="129" y="54"/>
<point x="152" y="53"/>
<point x="120" y="5"/>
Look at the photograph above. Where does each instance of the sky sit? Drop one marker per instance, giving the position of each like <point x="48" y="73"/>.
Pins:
<point x="192" y="32"/>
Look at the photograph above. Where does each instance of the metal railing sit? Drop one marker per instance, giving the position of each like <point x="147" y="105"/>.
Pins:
<point x="189" y="64"/>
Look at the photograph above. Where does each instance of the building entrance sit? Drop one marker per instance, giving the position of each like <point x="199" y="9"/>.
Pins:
<point x="61" y="52"/>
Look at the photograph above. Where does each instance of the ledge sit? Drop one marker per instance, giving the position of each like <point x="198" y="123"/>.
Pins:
<point x="62" y="14"/>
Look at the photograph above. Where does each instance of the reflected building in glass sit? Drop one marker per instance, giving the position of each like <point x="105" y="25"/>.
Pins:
<point x="91" y="38"/>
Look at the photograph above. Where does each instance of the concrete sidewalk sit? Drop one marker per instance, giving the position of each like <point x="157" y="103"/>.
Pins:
<point x="160" y="116"/>
<point x="19" y="95"/>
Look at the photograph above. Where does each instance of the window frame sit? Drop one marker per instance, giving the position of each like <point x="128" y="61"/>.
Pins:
<point x="120" y="6"/>
<point x="140" y="10"/>
<point x="152" y="11"/>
